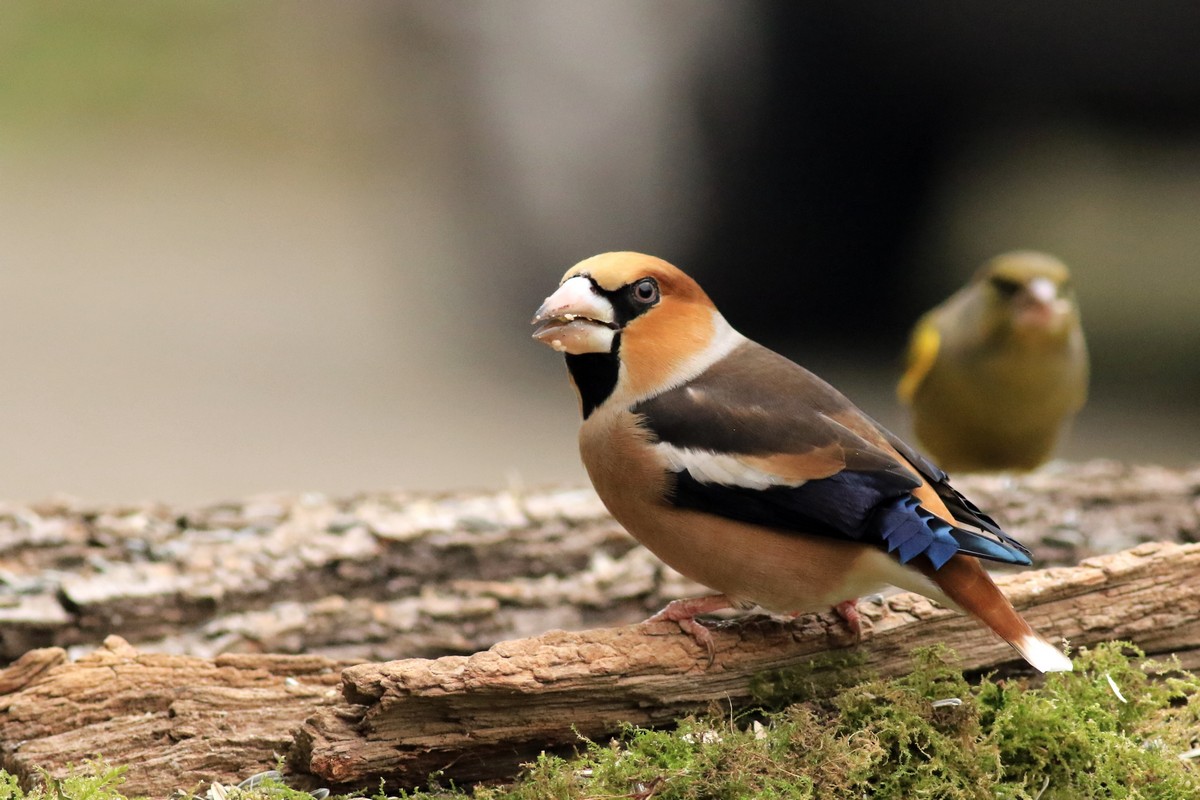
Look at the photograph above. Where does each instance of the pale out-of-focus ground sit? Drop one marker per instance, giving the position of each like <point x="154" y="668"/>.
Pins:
<point x="262" y="246"/>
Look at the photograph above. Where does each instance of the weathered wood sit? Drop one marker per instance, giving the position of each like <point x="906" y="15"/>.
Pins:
<point x="385" y="575"/>
<point x="390" y="575"/>
<point x="477" y="717"/>
<point x="176" y="721"/>
<point x="179" y="720"/>
<point x="378" y="576"/>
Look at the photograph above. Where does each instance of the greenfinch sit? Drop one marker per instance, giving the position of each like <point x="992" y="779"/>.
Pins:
<point x="996" y="372"/>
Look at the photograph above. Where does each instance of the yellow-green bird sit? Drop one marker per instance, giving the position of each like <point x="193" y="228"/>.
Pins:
<point x="996" y="372"/>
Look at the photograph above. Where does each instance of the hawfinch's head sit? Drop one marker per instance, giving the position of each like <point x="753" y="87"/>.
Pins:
<point x="645" y="313"/>
<point x="618" y="296"/>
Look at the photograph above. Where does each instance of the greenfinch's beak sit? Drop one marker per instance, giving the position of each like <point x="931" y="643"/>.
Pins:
<point x="1038" y="306"/>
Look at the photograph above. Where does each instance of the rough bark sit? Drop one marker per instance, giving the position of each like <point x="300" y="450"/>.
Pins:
<point x="477" y="717"/>
<point x="177" y="721"/>
<point x="392" y="575"/>
<point x="181" y="720"/>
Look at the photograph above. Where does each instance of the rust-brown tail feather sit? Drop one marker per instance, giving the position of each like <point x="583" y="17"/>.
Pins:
<point x="965" y="582"/>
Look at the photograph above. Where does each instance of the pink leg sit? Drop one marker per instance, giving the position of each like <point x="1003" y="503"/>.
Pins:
<point x="684" y="612"/>
<point x="848" y="611"/>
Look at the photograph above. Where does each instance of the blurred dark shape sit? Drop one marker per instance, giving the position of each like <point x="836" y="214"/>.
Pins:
<point x="866" y="107"/>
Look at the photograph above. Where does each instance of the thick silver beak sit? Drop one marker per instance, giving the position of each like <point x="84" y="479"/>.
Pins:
<point x="575" y="319"/>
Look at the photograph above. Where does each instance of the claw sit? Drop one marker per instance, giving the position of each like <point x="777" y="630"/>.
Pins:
<point x="683" y="613"/>
<point x="848" y="611"/>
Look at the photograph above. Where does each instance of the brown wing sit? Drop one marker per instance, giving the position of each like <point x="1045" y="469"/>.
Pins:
<point x="776" y="416"/>
<point x="760" y="439"/>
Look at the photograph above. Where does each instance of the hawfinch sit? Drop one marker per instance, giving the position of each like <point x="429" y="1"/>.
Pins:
<point x="749" y="474"/>
<point x="996" y="372"/>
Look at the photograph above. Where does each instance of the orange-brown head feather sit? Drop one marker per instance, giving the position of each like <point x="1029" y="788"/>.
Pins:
<point x="613" y="270"/>
<point x="656" y="346"/>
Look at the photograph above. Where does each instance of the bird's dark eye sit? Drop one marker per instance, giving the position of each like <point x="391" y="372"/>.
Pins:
<point x="1006" y="287"/>
<point x="645" y="291"/>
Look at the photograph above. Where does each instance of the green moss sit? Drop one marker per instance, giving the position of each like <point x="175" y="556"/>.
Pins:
<point x="823" y="676"/>
<point x="1073" y="736"/>
<point x="93" y="781"/>
<point x="1087" y="741"/>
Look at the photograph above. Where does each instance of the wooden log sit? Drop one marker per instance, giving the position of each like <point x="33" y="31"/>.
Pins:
<point x="390" y="575"/>
<point x="176" y="721"/>
<point x="478" y="717"/>
<point x="379" y="575"/>
<point x="179" y="721"/>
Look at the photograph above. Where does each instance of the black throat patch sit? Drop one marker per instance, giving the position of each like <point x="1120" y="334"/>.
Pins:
<point x="595" y="375"/>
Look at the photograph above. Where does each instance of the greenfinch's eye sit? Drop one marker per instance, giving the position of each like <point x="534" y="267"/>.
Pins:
<point x="645" y="291"/>
<point x="1006" y="287"/>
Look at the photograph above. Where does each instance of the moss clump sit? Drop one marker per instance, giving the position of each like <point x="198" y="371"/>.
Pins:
<point x="1114" y="728"/>
<point x="823" y="676"/>
<point x="1073" y="737"/>
<point x="94" y="781"/>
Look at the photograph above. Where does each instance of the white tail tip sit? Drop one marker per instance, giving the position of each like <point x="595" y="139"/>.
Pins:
<point x="1042" y="655"/>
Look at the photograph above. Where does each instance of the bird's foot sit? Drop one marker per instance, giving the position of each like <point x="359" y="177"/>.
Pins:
<point x="848" y="611"/>
<point x="683" y="613"/>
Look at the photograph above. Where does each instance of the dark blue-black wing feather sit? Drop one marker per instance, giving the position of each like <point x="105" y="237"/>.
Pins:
<point x="727" y="411"/>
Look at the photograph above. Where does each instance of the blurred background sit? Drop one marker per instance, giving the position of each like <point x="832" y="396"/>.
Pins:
<point x="253" y="246"/>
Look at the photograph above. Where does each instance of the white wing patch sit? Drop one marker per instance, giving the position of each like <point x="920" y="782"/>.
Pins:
<point x="719" y="468"/>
